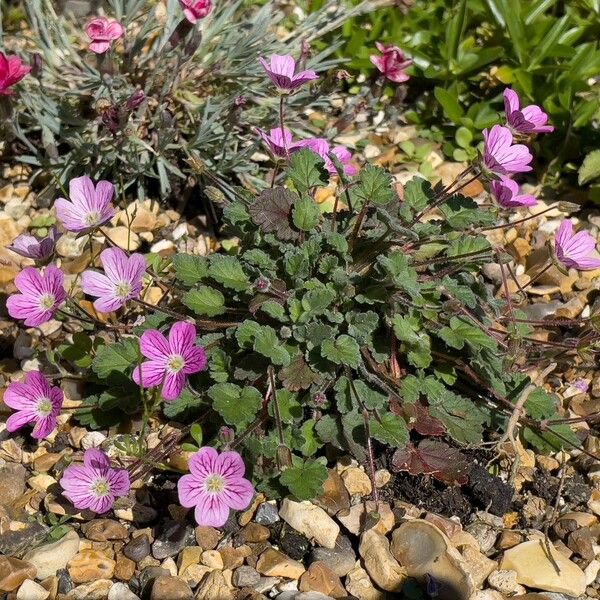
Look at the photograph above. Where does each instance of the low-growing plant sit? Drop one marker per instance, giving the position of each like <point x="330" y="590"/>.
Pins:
<point x="367" y="329"/>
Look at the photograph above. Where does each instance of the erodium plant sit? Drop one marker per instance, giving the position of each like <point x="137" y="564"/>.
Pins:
<point x="157" y="95"/>
<point x="367" y="329"/>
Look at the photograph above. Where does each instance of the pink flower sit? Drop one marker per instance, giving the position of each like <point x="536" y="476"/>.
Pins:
<point x="392" y="63"/>
<point x="31" y="247"/>
<point x="40" y="297"/>
<point x="530" y="119"/>
<point x="278" y="141"/>
<point x="575" y="250"/>
<point x="506" y="192"/>
<point x="102" y="32"/>
<point x="195" y="9"/>
<point x="281" y="72"/>
<point x="94" y="485"/>
<point x="501" y="156"/>
<point x="12" y="70"/>
<point x="321" y="147"/>
<point x="215" y="484"/>
<point x="582" y="385"/>
<point x="122" y="280"/>
<point x="170" y="360"/>
<point x="35" y="401"/>
<point x="89" y="206"/>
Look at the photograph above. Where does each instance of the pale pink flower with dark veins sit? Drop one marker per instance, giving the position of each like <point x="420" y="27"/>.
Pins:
<point x="121" y="280"/>
<point x="281" y="70"/>
<point x="506" y="193"/>
<point x="501" y="156"/>
<point x="321" y="147"/>
<point x="195" y="9"/>
<point x="31" y="247"/>
<point x="170" y="360"/>
<point x="392" y="62"/>
<point x="88" y="206"/>
<point x="95" y="485"/>
<point x="102" y="32"/>
<point x="215" y="484"/>
<point x="530" y="119"/>
<point x="575" y="250"/>
<point x="40" y="297"/>
<point x="35" y="401"/>
<point x="278" y="141"/>
<point x="12" y="70"/>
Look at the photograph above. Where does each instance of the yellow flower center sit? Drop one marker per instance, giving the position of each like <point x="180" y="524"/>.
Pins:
<point x="100" y="487"/>
<point x="92" y="218"/>
<point x="46" y="301"/>
<point x="175" y="363"/>
<point x="123" y="289"/>
<point x="44" y="407"/>
<point x="214" y="484"/>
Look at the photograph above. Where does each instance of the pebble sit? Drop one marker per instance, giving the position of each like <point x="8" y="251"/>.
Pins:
<point x="207" y="537"/>
<point x="267" y="514"/>
<point x="30" y="590"/>
<point x="359" y="584"/>
<point x="194" y="574"/>
<point x="535" y="570"/>
<point x="13" y="572"/>
<point x="355" y="519"/>
<point x="340" y="560"/>
<point x="245" y="576"/>
<point x="124" y="238"/>
<point x="12" y="483"/>
<point x="504" y="581"/>
<point x="89" y="565"/>
<point x="171" y="538"/>
<point x="310" y="520"/>
<point x="119" y="591"/>
<point x="294" y="544"/>
<point x="93" y="439"/>
<point x="125" y="568"/>
<point x="335" y="496"/>
<point x="320" y="578"/>
<point x="478" y="565"/>
<point x="103" y="530"/>
<point x="138" y="548"/>
<point x="383" y="568"/>
<point x="50" y="558"/>
<point x="97" y="590"/>
<point x="276" y="564"/>
<point x="254" y="532"/>
<point x="190" y="555"/>
<point x="357" y="482"/>
<point x="170" y="587"/>
<point x="214" y="587"/>
<point x="212" y="559"/>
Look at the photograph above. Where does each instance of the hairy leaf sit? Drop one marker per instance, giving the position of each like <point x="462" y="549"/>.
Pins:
<point x="190" y="269"/>
<point x="305" y="479"/>
<point x="205" y="301"/>
<point x="272" y="212"/>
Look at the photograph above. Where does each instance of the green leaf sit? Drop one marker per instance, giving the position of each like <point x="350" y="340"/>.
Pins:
<point x="116" y="359"/>
<point x="275" y="309"/>
<point x="417" y="343"/>
<point x="238" y="406"/>
<point x="362" y="325"/>
<point x="184" y="408"/>
<point x="590" y="169"/>
<point x="450" y="105"/>
<point x="540" y="404"/>
<point x="305" y="479"/>
<point x="307" y="170"/>
<point x="462" y="419"/>
<point x="307" y="442"/>
<point x="417" y="193"/>
<point x="391" y="430"/>
<point x="306" y="213"/>
<point x="246" y="333"/>
<point x="467" y="244"/>
<point x="375" y="185"/>
<point x="267" y="343"/>
<point x="196" y="433"/>
<point x="460" y="332"/>
<point x="190" y="269"/>
<point x="228" y="271"/>
<point x="205" y="301"/>
<point x="343" y="351"/>
<point x="547" y="441"/>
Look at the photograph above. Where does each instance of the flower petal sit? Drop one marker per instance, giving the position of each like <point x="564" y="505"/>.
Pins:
<point x="19" y="419"/>
<point x="230" y="465"/>
<point x="96" y="459"/>
<point x="173" y="385"/>
<point x="150" y="373"/>
<point x="189" y="491"/>
<point x="182" y="337"/>
<point x="211" y="511"/>
<point x="238" y="494"/>
<point x="204" y="462"/>
<point x="154" y="345"/>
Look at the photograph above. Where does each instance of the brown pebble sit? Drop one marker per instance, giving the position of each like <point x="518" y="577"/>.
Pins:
<point x="207" y="537"/>
<point x="320" y="578"/>
<point x="254" y="532"/>
<point x="125" y="568"/>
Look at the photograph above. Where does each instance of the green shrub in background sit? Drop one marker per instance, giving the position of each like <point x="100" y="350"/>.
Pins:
<point x="467" y="51"/>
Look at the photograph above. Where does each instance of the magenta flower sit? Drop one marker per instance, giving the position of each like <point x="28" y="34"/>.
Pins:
<point x="95" y="484"/>
<point x="102" y="32"/>
<point x="530" y="119"/>
<point x="392" y="62"/>
<point x="215" y="484"/>
<point x="278" y="141"/>
<point x="12" y="70"/>
<point x="170" y="360"/>
<point x="40" y="297"/>
<point x="31" y="247"/>
<point x="281" y="72"/>
<point x="195" y="9"/>
<point x="582" y="385"/>
<point x="501" y="156"/>
<point x="35" y="401"/>
<point x="88" y="206"/>
<point x="575" y="250"/>
<point x="506" y="192"/>
<point x="321" y="147"/>
<point x="121" y="281"/>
